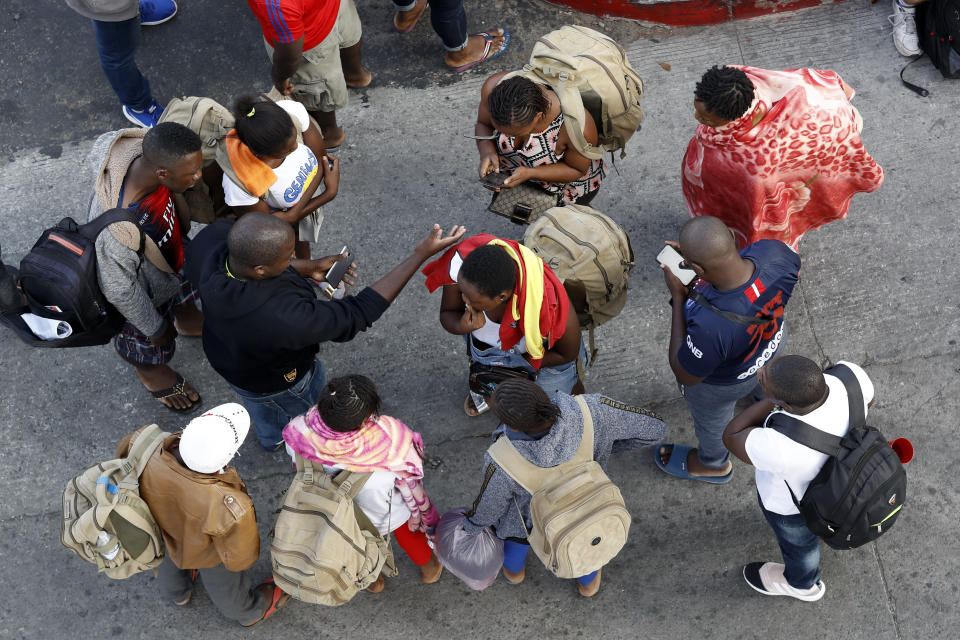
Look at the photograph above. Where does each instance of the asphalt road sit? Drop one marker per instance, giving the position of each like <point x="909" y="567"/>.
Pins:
<point x="877" y="288"/>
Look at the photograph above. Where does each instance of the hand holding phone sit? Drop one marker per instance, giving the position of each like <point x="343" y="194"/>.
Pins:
<point x="493" y="180"/>
<point x="671" y="258"/>
<point x="334" y="277"/>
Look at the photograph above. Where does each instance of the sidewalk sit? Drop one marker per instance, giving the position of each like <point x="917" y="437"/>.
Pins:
<point x="878" y="288"/>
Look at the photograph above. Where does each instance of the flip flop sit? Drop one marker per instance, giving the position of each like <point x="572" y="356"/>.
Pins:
<point x="410" y="28"/>
<point x="677" y="467"/>
<point x="487" y="46"/>
<point x="178" y="389"/>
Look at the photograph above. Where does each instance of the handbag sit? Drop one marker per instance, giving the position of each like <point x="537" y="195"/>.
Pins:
<point x="309" y="227"/>
<point x="484" y="378"/>
<point x="524" y="203"/>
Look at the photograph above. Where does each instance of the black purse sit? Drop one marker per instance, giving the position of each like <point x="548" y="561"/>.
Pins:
<point x="523" y="203"/>
<point x="484" y="378"/>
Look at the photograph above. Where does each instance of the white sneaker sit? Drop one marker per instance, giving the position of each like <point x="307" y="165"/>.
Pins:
<point x="905" y="30"/>
<point x="768" y="579"/>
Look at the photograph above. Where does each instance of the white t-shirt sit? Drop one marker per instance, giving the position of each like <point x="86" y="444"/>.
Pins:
<point x="490" y="331"/>
<point x="294" y="175"/>
<point x="777" y="458"/>
<point x="375" y="498"/>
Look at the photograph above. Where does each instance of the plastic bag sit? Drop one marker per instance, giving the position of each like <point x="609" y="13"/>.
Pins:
<point x="474" y="559"/>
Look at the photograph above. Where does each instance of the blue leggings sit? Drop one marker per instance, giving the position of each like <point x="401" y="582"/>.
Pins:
<point x="515" y="557"/>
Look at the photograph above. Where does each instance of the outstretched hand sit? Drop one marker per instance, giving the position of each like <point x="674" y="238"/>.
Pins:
<point x="436" y="241"/>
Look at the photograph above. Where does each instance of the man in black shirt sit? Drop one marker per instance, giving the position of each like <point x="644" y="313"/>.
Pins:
<point x="263" y="324"/>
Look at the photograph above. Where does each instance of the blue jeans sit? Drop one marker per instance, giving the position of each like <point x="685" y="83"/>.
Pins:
<point x="712" y="407"/>
<point x="515" y="557"/>
<point x="799" y="547"/>
<point x="270" y="412"/>
<point x="449" y="20"/>
<point x="117" y="44"/>
<point x="550" y="379"/>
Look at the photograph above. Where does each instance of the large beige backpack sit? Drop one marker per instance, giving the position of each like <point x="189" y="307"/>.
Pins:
<point x="105" y="499"/>
<point x="589" y="70"/>
<point x="580" y="522"/>
<point x="324" y="549"/>
<point x="592" y="256"/>
<point x="204" y="116"/>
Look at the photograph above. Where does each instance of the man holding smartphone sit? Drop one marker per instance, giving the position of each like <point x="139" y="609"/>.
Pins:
<point x="263" y="324"/>
<point x="724" y="327"/>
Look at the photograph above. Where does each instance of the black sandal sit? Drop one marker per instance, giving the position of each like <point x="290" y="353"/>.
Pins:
<point x="176" y="390"/>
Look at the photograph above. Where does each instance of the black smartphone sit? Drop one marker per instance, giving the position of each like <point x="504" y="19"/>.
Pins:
<point x="494" y="180"/>
<point x="335" y="275"/>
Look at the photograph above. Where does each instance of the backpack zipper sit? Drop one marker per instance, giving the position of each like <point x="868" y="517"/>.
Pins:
<point x="853" y="476"/>
<point x="310" y="512"/>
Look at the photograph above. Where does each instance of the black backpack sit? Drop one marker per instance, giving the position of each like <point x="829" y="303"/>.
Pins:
<point x="861" y="489"/>
<point x="938" y="30"/>
<point x="58" y="280"/>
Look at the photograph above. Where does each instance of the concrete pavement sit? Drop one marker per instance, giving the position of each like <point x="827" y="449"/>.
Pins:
<point x="877" y="288"/>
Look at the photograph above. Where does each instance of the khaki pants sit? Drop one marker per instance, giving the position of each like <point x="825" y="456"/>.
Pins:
<point x="319" y="84"/>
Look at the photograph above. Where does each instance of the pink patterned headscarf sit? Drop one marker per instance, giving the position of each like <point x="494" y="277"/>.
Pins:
<point x="382" y="443"/>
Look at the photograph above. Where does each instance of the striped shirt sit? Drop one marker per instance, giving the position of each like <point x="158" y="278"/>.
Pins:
<point x="285" y="21"/>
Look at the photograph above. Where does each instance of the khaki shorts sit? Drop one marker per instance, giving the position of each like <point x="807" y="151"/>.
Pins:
<point x="319" y="84"/>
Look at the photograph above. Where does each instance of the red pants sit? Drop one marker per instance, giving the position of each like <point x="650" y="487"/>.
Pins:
<point x="414" y="544"/>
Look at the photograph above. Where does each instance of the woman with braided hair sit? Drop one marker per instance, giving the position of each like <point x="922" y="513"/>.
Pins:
<point x="347" y="431"/>
<point x="547" y="431"/>
<point x="520" y="131"/>
<point x="777" y="153"/>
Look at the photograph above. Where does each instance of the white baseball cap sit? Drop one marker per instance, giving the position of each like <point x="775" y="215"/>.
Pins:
<point x="211" y="440"/>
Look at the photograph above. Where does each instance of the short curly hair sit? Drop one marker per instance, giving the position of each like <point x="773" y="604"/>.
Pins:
<point x="726" y="92"/>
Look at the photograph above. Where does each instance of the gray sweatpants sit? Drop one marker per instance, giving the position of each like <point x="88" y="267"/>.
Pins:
<point x="230" y="591"/>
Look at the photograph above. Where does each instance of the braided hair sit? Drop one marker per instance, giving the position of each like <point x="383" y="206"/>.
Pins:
<point x="516" y="101"/>
<point x="347" y="402"/>
<point x="490" y="269"/>
<point x="726" y="92"/>
<point x="262" y="125"/>
<point x="522" y="405"/>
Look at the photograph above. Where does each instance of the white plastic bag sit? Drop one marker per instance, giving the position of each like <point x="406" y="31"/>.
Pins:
<point x="474" y="559"/>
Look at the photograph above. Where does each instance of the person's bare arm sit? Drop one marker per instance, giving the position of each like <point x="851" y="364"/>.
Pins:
<point x="678" y="328"/>
<point x="286" y="61"/>
<point x="308" y="203"/>
<point x="735" y="434"/>
<point x="390" y="285"/>
<point x="261" y="206"/>
<point x="572" y="167"/>
<point x="489" y="161"/>
<point x="455" y="316"/>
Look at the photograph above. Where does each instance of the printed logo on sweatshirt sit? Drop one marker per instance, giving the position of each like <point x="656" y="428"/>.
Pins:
<point x="290" y="376"/>
<point x="308" y="171"/>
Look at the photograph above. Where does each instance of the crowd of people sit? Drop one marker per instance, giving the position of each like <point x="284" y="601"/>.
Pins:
<point x="776" y="154"/>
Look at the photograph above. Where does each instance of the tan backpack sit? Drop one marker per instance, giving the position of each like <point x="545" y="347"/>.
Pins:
<point x="204" y="116"/>
<point x="105" y="499"/>
<point x="580" y="521"/>
<point x="592" y="256"/>
<point x="589" y="71"/>
<point x="324" y="549"/>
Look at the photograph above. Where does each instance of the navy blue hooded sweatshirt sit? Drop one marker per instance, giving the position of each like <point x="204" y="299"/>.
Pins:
<point x="262" y="335"/>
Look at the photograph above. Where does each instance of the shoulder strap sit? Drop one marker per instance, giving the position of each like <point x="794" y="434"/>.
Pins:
<point x="140" y="453"/>
<point x="349" y="483"/>
<point x="854" y="393"/>
<point x="524" y="472"/>
<point x="123" y="226"/>
<point x="585" y="450"/>
<point x="802" y="433"/>
<point x="739" y="318"/>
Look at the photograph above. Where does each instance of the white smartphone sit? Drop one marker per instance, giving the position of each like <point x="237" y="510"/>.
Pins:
<point x="672" y="259"/>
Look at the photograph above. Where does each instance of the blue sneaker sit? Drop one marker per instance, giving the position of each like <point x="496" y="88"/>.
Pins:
<point x="147" y="118"/>
<point x="156" y="12"/>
